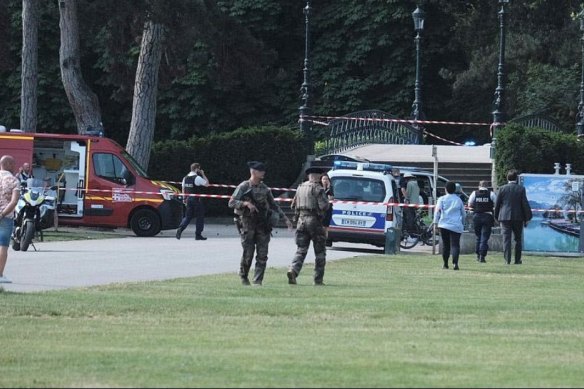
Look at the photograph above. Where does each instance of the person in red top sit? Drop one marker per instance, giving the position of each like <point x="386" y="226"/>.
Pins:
<point x="9" y="194"/>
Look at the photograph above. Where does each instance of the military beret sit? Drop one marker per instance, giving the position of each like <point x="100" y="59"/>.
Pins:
<point x="315" y="169"/>
<point x="257" y="166"/>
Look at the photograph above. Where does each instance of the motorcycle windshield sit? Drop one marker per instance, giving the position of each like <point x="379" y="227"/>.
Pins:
<point x="34" y="183"/>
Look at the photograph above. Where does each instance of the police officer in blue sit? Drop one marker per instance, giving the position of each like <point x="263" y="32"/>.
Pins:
<point x="482" y="203"/>
<point x="194" y="183"/>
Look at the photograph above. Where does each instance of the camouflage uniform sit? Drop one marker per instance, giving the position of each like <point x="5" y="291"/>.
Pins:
<point x="255" y="228"/>
<point x="310" y="204"/>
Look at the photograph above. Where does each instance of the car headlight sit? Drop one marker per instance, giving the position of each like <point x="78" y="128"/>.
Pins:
<point x="167" y="194"/>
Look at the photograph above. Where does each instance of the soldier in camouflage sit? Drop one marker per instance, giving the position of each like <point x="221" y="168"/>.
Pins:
<point x="256" y="213"/>
<point x="310" y="205"/>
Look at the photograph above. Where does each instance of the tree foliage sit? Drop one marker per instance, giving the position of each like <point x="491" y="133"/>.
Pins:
<point x="533" y="150"/>
<point x="233" y="63"/>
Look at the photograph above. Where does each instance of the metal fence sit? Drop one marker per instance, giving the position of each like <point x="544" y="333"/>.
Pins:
<point x="367" y="128"/>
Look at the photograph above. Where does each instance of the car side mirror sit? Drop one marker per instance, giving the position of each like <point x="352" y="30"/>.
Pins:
<point x="127" y="177"/>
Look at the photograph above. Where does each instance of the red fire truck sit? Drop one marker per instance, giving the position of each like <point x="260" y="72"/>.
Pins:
<point x="99" y="183"/>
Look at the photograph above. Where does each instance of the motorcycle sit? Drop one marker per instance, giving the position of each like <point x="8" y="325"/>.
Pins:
<point x="35" y="212"/>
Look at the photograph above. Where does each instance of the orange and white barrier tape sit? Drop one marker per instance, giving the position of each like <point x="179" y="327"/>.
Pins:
<point x="409" y="121"/>
<point x="284" y="199"/>
<point x="231" y="186"/>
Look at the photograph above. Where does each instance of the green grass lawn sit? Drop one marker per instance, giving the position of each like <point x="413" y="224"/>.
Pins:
<point x="379" y="322"/>
<point x="71" y="233"/>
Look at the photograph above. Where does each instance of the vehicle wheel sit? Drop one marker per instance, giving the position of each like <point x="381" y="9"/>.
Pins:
<point x="26" y="235"/>
<point x="408" y="241"/>
<point x="430" y="238"/>
<point x="15" y="245"/>
<point x="145" y="222"/>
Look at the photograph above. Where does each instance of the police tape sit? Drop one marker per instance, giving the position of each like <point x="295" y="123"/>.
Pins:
<point x="231" y="186"/>
<point x="284" y="199"/>
<point x="391" y="120"/>
<point x="442" y="139"/>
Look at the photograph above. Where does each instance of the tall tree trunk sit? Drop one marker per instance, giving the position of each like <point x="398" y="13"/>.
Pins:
<point x="83" y="101"/>
<point x="145" y="91"/>
<point x="29" y="82"/>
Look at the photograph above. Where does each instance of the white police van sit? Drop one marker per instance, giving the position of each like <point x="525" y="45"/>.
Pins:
<point x="362" y="223"/>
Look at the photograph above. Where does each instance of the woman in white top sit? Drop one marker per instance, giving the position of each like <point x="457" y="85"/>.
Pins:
<point x="449" y="217"/>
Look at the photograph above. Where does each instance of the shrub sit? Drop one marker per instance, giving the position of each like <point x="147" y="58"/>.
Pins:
<point x="224" y="158"/>
<point x="535" y="150"/>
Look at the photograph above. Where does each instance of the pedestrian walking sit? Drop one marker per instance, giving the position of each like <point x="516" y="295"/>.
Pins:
<point x="254" y="207"/>
<point x="310" y="204"/>
<point x="194" y="183"/>
<point x="512" y="210"/>
<point x="9" y="195"/>
<point x="482" y="203"/>
<point x="449" y="217"/>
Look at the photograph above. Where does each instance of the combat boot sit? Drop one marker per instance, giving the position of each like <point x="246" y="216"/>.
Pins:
<point x="291" y="277"/>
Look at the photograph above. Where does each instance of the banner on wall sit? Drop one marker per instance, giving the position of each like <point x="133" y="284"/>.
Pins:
<point x="558" y="213"/>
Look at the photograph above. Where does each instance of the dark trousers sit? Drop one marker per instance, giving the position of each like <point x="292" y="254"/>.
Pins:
<point x="483" y="225"/>
<point x="515" y="227"/>
<point x="450" y="245"/>
<point x="410" y="219"/>
<point x="195" y="208"/>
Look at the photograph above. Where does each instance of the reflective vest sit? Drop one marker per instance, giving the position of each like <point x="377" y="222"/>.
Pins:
<point x="190" y="187"/>
<point x="483" y="202"/>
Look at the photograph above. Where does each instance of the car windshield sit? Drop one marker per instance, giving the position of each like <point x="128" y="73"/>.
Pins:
<point x="358" y="189"/>
<point x="134" y="164"/>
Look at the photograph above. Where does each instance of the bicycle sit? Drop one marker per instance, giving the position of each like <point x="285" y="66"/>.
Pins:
<point x="422" y="232"/>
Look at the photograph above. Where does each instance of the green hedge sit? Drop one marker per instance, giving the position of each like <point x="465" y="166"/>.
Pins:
<point x="534" y="150"/>
<point x="223" y="157"/>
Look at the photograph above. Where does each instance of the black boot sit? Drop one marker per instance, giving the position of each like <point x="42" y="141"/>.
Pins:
<point x="179" y="232"/>
<point x="445" y="266"/>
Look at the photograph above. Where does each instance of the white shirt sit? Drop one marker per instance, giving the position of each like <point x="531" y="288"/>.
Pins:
<point x="199" y="181"/>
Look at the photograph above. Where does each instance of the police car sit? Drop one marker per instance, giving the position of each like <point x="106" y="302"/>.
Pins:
<point x="372" y="183"/>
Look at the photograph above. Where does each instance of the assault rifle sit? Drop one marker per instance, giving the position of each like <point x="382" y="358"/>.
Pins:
<point x="267" y="217"/>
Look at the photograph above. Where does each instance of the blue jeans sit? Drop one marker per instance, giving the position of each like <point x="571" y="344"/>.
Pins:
<point x="195" y="208"/>
<point x="483" y="225"/>
<point x="6" y="227"/>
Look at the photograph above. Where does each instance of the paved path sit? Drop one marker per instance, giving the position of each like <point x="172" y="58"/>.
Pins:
<point x="60" y="265"/>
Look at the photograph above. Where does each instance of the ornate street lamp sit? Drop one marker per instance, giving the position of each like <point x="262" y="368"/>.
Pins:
<point x="418" y="16"/>
<point x="499" y="102"/>
<point x="580" y="116"/>
<point x="304" y="110"/>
